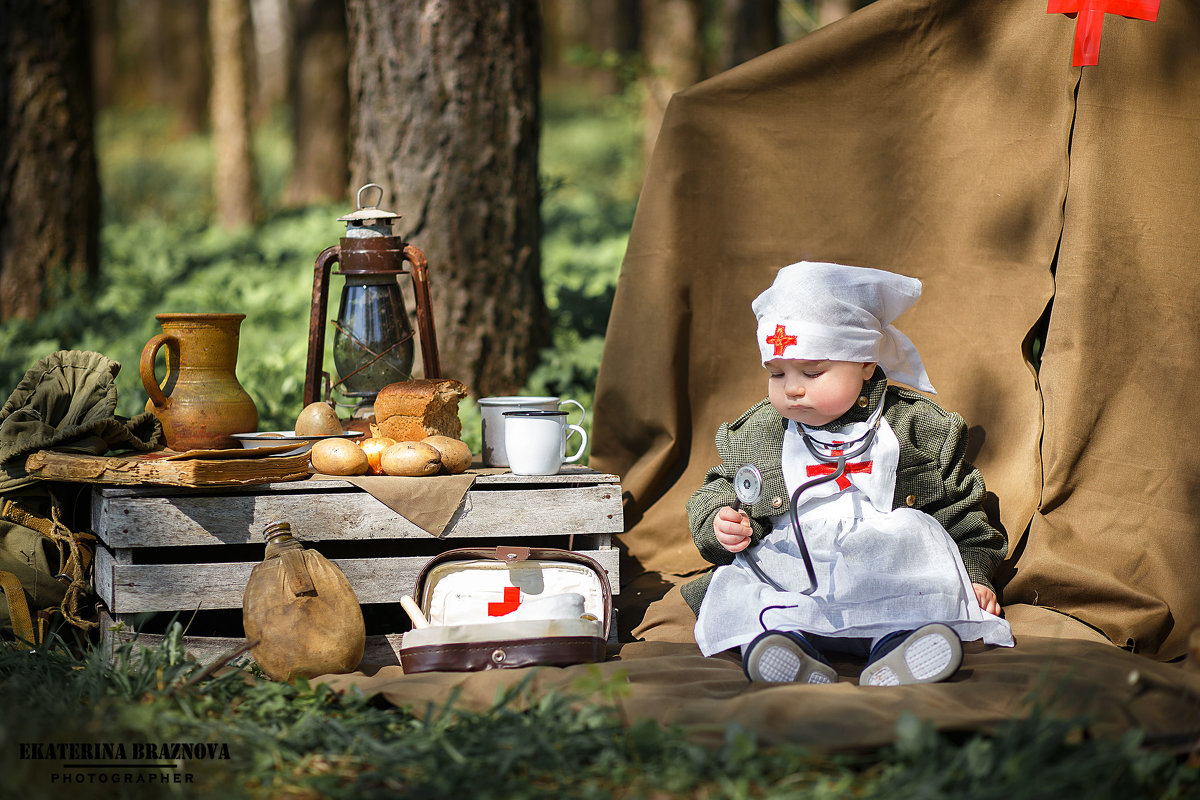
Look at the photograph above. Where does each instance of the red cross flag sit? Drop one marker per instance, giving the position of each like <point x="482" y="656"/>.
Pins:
<point x="1090" y="22"/>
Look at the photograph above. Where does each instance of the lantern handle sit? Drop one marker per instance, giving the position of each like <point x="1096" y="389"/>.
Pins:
<point x="420" y="281"/>
<point x="377" y="201"/>
<point x="316" y="323"/>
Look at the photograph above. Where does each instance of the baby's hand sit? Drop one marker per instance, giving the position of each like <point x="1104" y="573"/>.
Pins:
<point x="733" y="529"/>
<point x="987" y="599"/>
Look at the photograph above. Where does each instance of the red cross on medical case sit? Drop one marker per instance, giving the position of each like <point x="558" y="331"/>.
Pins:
<point x="507" y="607"/>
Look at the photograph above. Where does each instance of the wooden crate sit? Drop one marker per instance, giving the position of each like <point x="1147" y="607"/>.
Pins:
<point x="187" y="553"/>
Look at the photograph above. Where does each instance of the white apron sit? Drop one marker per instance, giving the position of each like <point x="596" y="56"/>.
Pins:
<point x="878" y="570"/>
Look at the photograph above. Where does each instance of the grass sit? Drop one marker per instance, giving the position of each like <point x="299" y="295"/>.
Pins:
<point x="262" y="739"/>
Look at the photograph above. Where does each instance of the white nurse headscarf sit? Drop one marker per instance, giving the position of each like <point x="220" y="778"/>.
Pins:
<point x="818" y="311"/>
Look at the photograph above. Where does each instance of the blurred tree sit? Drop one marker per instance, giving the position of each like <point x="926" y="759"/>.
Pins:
<point x="180" y="68"/>
<point x="578" y="35"/>
<point x="49" y="195"/>
<point x="317" y="84"/>
<point x="751" y="28"/>
<point x="445" y="116"/>
<point x="272" y="29"/>
<point x="104" y="52"/>
<point x="235" y="191"/>
<point x="153" y="51"/>
<point x="672" y="47"/>
<point x="827" y="11"/>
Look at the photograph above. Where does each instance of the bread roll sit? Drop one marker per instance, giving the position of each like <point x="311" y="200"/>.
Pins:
<point x="410" y="411"/>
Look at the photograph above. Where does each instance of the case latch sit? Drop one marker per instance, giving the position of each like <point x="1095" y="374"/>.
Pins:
<point x="509" y="554"/>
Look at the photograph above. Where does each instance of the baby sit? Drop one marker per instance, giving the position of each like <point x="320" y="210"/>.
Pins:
<point x="897" y="541"/>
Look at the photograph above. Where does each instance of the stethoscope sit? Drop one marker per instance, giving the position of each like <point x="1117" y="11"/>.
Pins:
<point x="747" y="488"/>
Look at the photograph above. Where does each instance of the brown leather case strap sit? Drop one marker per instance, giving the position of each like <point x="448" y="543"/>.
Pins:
<point x="18" y="609"/>
<point x="553" y="651"/>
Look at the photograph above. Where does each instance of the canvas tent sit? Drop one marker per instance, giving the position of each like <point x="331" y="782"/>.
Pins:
<point x="1050" y="211"/>
<point x="954" y="142"/>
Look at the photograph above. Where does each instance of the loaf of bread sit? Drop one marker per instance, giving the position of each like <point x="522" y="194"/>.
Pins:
<point x="410" y="411"/>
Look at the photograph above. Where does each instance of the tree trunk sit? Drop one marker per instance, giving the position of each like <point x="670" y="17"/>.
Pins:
<point x="751" y="29"/>
<point x="599" y="27"/>
<point x="234" y="186"/>
<point x="445" y="116"/>
<point x="104" y="52"/>
<point x="271" y="31"/>
<point x="320" y="103"/>
<point x="185" y="31"/>
<point x="671" y="44"/>
<point x="828" y="11"/>
<point x="49" y="193"/>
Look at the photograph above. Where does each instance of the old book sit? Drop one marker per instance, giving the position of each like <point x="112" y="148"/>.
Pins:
<point x="168" y="468"/>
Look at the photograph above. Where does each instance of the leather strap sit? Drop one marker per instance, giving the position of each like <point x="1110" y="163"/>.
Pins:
<point x="76" y="552"/>
<point x="15" y="512"/>
<point x="18" y="609"/>
<point x="553" y="651"/>
<point x="299" y="581"/>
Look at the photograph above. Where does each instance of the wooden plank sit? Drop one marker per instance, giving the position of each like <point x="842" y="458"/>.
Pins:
<point x="137" y="588"/>
<point x="103" y="565"/>
<point x="122" y="520"/>
<point x="168" y="469"/>
<point x="570" y="476"/>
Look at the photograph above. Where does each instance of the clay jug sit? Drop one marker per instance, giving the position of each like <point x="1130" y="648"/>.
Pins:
<point x="300" y="613"/>
<point x="200" y="402"/>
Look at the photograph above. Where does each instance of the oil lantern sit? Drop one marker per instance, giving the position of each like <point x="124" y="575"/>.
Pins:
<point x="373" y="337"/>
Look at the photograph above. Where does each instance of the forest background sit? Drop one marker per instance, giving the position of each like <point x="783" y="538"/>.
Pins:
<point x="229" y="136"/>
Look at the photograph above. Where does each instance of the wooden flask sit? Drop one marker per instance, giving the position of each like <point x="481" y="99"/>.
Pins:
<point x="300" y="611"/>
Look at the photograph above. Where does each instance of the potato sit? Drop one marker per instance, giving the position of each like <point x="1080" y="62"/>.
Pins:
<point x="318" y="419"/>
<point x="455" y="454"/>
<point x="411" y="460"/>
<point x="338" y="457"/>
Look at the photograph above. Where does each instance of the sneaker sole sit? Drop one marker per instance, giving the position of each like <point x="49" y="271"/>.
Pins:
<point x="777" y="659"/>
<point x="930" y="655"/>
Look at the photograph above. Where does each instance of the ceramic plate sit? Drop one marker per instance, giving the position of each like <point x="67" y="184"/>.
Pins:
<point x="276" y="438"/>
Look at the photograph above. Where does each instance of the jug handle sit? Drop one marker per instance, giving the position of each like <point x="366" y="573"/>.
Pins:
<point x="149" y="379"/>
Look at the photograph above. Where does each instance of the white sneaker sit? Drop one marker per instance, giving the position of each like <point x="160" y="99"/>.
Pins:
<point x="777" y="657"/>
<point x="930" y="654"/>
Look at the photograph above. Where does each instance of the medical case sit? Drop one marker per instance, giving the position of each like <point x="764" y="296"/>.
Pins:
<point x="508" y="607"/>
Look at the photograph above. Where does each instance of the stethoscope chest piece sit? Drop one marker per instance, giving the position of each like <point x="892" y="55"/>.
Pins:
<point x="747" y="484"/>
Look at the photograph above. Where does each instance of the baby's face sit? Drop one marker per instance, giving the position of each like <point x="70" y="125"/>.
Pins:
<point x="815" y="393"/>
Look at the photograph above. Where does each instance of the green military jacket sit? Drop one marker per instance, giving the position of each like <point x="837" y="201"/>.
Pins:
<point x="933" y="476"/>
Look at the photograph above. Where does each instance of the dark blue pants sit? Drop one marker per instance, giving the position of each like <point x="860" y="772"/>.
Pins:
<point x="860" y="647"/>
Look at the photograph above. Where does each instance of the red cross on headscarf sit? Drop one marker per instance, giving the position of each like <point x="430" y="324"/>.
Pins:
<point x="842" y="481"/>
<point x="1090" y="23"/>
<point x="780" y="339"/>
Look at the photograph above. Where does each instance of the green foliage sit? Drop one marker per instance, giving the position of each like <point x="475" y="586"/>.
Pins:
<point x="150" y="172"/>
<point x="306" y="741"/>
<point x="591" y="173"/>
<point x="152" y="267"/>
<point x="160" y="253"/>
